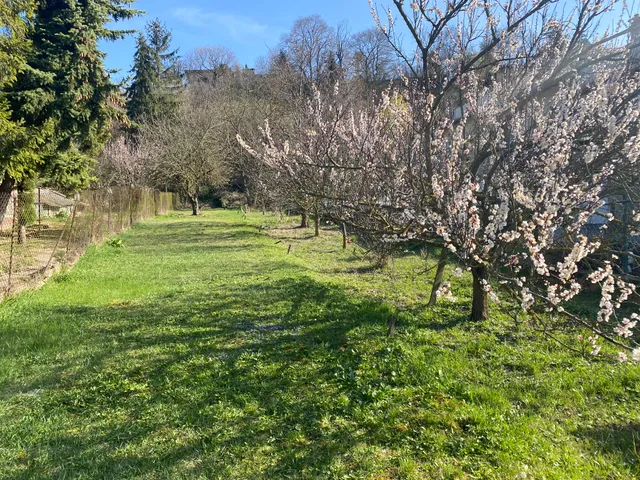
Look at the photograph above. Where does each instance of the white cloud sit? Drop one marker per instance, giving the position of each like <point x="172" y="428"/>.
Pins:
<point x="235" y="25"/>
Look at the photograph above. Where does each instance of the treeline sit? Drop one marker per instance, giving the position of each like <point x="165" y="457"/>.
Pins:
<point x="187" y="109"/>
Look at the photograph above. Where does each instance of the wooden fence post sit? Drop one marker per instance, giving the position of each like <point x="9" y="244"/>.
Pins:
<point x="14" y="194"/>
<point x="131" y="207"/>
<point x="344" y="236"/>
<point x="39" y="209"/>
<point x="93" y="217"/>
<point x="73" y="221"/>
<point x="109" y="191"/>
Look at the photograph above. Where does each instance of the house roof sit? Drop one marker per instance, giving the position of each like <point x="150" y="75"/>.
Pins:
<point x="51" y="198"/>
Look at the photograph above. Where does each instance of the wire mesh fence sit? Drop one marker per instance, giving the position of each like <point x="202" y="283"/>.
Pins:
<point x="43" y="229"/>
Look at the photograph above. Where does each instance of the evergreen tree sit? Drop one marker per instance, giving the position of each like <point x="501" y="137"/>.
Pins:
<point x="13" y="35"/>
<point x="17" y="144"/>
<point x="142" y="93"/>
<point x="333" y="71"/>
<point x="169" y="77"/>
<point x="155" y="75"/>
<point x="27" y="214"/>
<point x="72" y="104"/>
<point x="159" y="38"/>
<point x="17" y="153"/>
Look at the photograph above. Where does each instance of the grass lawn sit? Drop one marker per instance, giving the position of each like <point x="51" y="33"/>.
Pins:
<point x="201" y="349"/>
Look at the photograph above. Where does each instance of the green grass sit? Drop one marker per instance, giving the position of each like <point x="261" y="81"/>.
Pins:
<point x="201" y="349"/>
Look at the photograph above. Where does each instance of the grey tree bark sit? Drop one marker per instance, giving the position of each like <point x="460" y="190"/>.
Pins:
<point x="437" y="281"/>
<point x="480" y="302"/>
<point x="304" y="221"/>
<point x="195" y="205"/>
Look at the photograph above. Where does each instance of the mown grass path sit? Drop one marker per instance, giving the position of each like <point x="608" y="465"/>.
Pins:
<point x="202" y="350"/>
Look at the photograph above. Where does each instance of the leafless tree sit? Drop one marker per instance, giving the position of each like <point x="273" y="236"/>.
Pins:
<point x="121" y="163"/>
<point x="186" y="152"/>
<point x="344" y="44"/>
<point x="373" y="56"/>
<point x="308" y="46"/>
<point x="209" y="58"/>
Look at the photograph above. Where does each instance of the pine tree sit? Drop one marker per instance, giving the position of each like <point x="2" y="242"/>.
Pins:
<point x="159" y="39"/>
<point x="73" y="103"/>
<point x="170" y="79"/>
<point x="17" y="144"/>
<point x="156" y="75"/>
<point x="142" y="93"/>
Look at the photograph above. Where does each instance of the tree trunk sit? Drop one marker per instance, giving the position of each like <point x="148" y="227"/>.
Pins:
<point x="344" y="236"/>
<point x="316" y="222"/>
<point x="131" y="207"/>
<point x="22" y="235"/>
<point x="6" y="186"/>
<point x="195" y="205"/>
<point x="304" y="222"/>
<point x="480" y="307"/>
<point x="156" y="203"/>
<point x="437" y="281"/>
<point x="247" y="192"/>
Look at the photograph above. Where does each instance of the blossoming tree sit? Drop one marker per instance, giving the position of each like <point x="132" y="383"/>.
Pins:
<point x="517" y="129"/>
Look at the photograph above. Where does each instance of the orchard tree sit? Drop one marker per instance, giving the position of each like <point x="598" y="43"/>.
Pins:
<point x="243" y="99"/>
<point x="508" y="140"/>
<point x="185" y="152"/>
<point x="301" y="155"/>
<point x="121" y="163"/>
<point x="277" y="94"/>
<point x="510" y="73"/>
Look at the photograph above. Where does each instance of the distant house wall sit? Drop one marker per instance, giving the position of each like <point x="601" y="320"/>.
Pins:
<point x="48" y="203"/>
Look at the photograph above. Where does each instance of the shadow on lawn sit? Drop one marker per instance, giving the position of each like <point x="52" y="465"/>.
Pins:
<point x="192" y="233"/>
<point x="244" y="377"/>
<point x="251" y="369"/>
<point x="623" y="440"/>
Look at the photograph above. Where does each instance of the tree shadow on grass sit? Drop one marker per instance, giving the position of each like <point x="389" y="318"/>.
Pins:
<point x="447" y="322"/>
<point x="196" y="233"/>
<point x="622" y="440"/>
<point x="240" y="379"/>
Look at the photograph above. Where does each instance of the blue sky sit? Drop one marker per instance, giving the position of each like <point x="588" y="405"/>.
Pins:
<point x="249" y="28"/>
